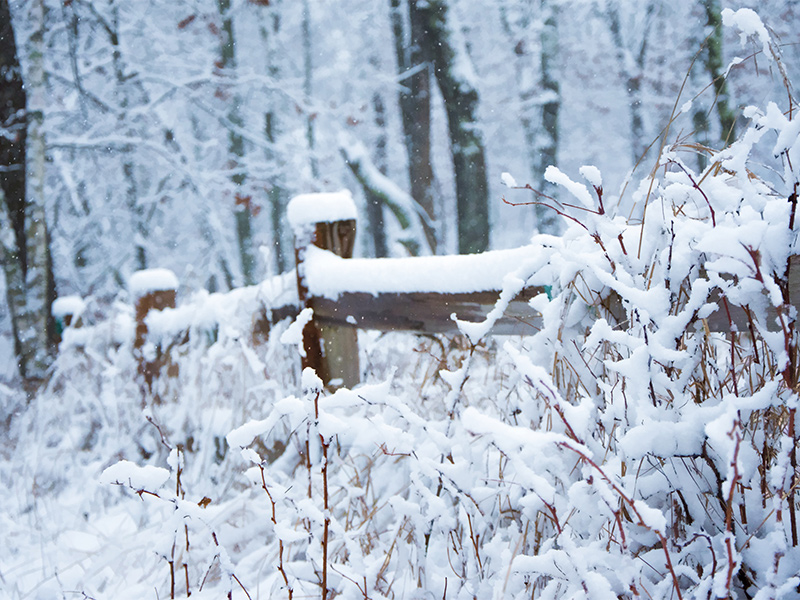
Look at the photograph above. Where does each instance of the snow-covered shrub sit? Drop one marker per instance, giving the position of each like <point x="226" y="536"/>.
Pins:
<point x="643" y="447"/>
<point x="646" y="455"/>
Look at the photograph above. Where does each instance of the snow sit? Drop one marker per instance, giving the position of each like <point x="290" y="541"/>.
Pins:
<point x="308" y="209"/>
<point x="144" y="282"/>
<point x="68" y="305"/>
<point x="294" y="333"/>
<point x="125" y="472"/>
<point x="578" y="190"/>
<point x="597" y="456"/>
<point x="508" y="180"/>
<point x="747" y="21"/>
<point x="328" y="275"/>
<point x="592" y="175"/>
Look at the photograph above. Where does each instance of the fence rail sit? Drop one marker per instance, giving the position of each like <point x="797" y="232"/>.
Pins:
<point x="330" y="337"/>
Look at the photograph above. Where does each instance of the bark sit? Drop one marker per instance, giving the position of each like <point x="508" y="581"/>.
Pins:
<point x="452" y="69"/>
<point x="714" y="67"/>
<point x="546" y="219"/>
<point x="277" y="194"/>
<point x="26" y="252"/>
<point x="244" y="228"/>
<point x="415" y="109"/>
<point x="632" y="63"/>
<point x="374" y="204"/>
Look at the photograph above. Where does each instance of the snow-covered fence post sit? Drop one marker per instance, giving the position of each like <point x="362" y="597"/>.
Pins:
<point x="66" y="311"/>
<point x="326" y="221"/>
<point x="151" y="289"/>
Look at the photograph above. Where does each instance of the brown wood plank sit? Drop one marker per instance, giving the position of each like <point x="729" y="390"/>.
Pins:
<point x="428" y="312"/>
<point x="425" y="312"/>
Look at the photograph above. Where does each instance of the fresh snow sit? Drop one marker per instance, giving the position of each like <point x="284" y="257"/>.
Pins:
<point x="127" y="473"/>
<point x="749" y="24"/>
<point x="68" y="305"/>
<point x="508" y="180"/>
<point x="328" y="275"/>
<point x="144" y="282"/>
<point x="308" y="209"/>
<point x="623" y="449"/>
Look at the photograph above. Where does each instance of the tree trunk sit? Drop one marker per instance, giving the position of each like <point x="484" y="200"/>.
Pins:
<point x="712" y="58"/>
<point x="415" y="108"/>
<point x="244" y="228"/>
<point x="308" y="73"/>
<point x="26" y="253"/>
<point x="521" y="26"/>
<point x="374" y="204"/>
<point x="632" y="71"/>
<point x="547" y="220"/>
<point x="442" y="44"/>
<point x="277" y="194"/>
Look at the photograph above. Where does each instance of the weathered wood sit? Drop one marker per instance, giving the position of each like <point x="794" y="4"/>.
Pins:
<point x="150" y="364"/>
<point x="723" y="319"/>
<point x="331" y="350"/>
<point x="425" y="312"/>
<point x="156" y="300"/>
<point x="330" y="340"/>
<point x="428" y="312"/>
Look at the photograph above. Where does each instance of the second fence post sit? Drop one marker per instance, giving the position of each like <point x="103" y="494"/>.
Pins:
<point x="327" y="221"/>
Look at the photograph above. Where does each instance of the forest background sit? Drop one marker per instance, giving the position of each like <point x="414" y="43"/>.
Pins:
<point x="174" y="134"/>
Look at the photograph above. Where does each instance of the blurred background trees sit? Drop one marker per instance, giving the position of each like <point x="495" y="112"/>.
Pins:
<point x="173" y="134"/>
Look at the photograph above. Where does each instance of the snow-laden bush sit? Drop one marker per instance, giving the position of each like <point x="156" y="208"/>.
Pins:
<point x="634" y="452"/>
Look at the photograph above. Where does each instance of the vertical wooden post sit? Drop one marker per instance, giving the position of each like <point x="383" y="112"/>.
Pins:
<point x="66" y="311"/>
<point x="326" y="221"/>
<point x="152" y="289"/>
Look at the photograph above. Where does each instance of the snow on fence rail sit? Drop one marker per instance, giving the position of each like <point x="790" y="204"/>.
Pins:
<point x="417" y="294"/>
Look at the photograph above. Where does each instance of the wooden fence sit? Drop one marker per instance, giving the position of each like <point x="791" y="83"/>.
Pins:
<point x="330" y="341"/>
<point x="330" y="337"/>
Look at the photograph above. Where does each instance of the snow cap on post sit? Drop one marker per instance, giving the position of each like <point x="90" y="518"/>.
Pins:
<point x="148" y="281"/>
<point x="307" y="209"/>
<point x="67" y="306"/>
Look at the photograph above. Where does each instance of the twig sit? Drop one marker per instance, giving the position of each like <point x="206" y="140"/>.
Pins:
<point x="629" y="501"/>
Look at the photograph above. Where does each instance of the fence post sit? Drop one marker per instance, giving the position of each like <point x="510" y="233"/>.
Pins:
<point x="67" y="311"/>
<point x="151" y="289"/>
<point x="327" y="221"/>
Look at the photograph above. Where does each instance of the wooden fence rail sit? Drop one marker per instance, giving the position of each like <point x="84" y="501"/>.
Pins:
<point x="330" y="337"/>
<point x="340" y="308"/>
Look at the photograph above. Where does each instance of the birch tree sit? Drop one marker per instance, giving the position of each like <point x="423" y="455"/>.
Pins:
<point x="25" y="238"/>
